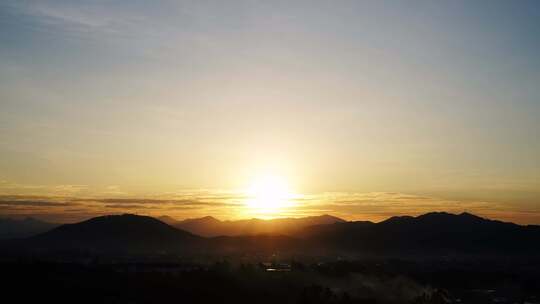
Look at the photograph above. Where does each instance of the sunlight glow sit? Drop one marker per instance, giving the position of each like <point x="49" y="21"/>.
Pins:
<point x="269" y="195"/>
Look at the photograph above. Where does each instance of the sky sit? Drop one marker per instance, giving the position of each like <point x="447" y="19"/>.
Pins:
<point x="363" y="109"/>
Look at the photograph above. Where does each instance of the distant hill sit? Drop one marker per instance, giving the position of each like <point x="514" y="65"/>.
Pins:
<point x="116" y="234"/>
<point x="431" y="233"/>
<point x="21" y="228"/>
<point x="209" y="226"/>
<point x="167" y="220"/>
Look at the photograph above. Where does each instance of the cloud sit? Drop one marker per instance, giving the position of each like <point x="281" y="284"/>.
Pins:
<point x="121" y="201"/>
<point x="6" y="186"/>
<point x="181" y="204"/>
<point x="32" y="203"/>
<point x="130" y="206"/>
<point x="164" y="203"/>
<point x="80" y="18"/>
<point x="17" y="189"/>
<point x="68" y="190"/>
<point x="114" y="190"/>
<point x="374" y="206"/>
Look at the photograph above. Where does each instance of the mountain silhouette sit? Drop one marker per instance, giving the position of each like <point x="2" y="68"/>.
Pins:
<point x="167" y="220"/>
<point x="20" y="228"/>
<point x="130" y="234"/>
<point x="431" y="233"/>
<point x="116" y="234"/>
<point x="209" y="226"/>
<point x="436" y="233"/>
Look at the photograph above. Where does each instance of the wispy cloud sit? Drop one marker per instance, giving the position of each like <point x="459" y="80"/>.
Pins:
<point x="130" y="206"/>
<point x="374" y="206"/>
<point x="11" y="203"/>
<point x="95" y="17"/>
<point x="11" y="188"/>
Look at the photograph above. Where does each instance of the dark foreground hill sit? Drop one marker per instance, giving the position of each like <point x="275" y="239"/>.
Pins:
<point x="432" y="233"/>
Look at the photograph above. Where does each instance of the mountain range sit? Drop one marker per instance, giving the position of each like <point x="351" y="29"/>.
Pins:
<point x="435" y="233"/>
<point x="209" y="226"/>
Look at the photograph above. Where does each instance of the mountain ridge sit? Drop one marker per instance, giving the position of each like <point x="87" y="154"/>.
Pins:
<point x="209" y="226"/>
<point x="437" y="233"/>
<point x="440" y="232"/>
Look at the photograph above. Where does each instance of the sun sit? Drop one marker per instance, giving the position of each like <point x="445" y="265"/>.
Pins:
<point x="268" y="195"/>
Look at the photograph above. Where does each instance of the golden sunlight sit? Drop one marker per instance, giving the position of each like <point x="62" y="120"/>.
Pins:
<point x="268" y="196"/>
